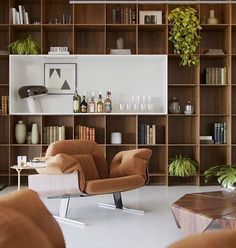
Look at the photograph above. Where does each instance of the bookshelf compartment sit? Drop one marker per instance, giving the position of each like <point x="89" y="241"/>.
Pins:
<point x="212" y="156"/>
<point x="159" y="122"/>
<point x="182" y="129"/>
<point x="172" y="180"/>
<point x="233" y="160"/>
<point x="151" y="40"/>
<point x="233" y="90"/>
<point x="89" y="14"/>
<point x="213" y="100"/>
<point x="111" y="151"/>
<point x="126" y="125"/>
<point x="4" y="76"/>
<point x="214" y="39"/>
<point x="58" y="120"/>
<point x="183" y="95"/>
<point x="157" y="180"/>
<point x="4" y="158"/>
<point x="222" y="12"/>
<point x="4" y="41"/>
<point x="128" y="34"/>
<point x="4" y="129"/>
<point x="233" y="127"/>
<point x="54" y="10"/>
<point x="28" y="120"/>
<point x="178" y="74"/>
<point x="4" y="12"/>
<point x="53" y="37"/>
<point x="233" y="70"/>
<point x="90" y="40"/>
<point x="97" y="122"/>
<point x="233" y="40"/>
<point x="233" y="11"/>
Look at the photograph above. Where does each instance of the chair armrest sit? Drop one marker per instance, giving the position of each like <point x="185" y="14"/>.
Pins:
<point x="132" y="162"/>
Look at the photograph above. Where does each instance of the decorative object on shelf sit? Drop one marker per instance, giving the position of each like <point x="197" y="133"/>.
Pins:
<point x="174" y="106"/>
<point x="20" y="132"/>
<point x="60" y="78"/>
<point x="212" y="19"/>
<point x="182" y="167"/>
<point x="107" y="103"/>
<point x="76" y="102"/>
<point x="21" y="16"/>
<point x="226" y="175"/>
<point x="206" y="139"/>
<point x="116" y="138"/>
<point x="28" y="138"/>
<point x="65" y="19"/>
<point x="25" y="46"/>
<point x="184" y="29"/>
<point x="59" y="51"/>
<point x="120" y="43"/>
<point x="21" y="161"/>
<point x="35" y="134"/>
<point x="203" y="20"/>
<point x="188" y="108"/>
<point x="150" y="17"/>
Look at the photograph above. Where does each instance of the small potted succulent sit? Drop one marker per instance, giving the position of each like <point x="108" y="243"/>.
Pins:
<point x="182" y="167"/>
<point x="226" y="175"/>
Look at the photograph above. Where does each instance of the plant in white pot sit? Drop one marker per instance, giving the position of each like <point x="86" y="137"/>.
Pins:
<point x="182" y="167"/>
<point x="226" y="175"/>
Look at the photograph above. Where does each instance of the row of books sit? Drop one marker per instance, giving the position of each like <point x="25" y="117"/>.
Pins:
<point x="20" y="16"/>
<point x="125" y="15"/>
<point x="147" y="134"/>
<point x="4" y="105"/>
<point x="215" y="75"/>
<point x="53" y="133"/>
<point x="220" y="133"/>
<point x="84" y="132"/>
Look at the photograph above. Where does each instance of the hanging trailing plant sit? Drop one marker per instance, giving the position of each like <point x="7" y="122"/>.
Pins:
<point x="184" y="27"/>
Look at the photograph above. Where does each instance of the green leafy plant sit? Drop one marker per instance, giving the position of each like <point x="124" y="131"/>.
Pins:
<point x="25" y="46"/>
<point x="184" y="27"/>
<point x="226" y="175"/>
<point x="182" y="167"/>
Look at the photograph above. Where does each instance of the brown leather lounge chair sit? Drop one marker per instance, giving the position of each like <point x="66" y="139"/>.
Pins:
<point x="64" y="159"/>
<point x="25" y="222"/>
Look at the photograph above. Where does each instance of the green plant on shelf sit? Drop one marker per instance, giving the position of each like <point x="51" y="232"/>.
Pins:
<point x="226" y="175"/>
<point x="25" y="46"/>
<point x="184" y="28"/>
<point x="182" y="167"/>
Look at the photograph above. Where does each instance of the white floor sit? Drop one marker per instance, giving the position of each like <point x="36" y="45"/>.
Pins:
<point x="106" y="228"/>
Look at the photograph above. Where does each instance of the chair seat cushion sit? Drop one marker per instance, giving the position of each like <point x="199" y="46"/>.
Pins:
<point x="112" y="185"/>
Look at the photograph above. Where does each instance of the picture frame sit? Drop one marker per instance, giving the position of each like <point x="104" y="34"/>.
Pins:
<point x="60" y="78"/>
<point x="150" y="17"/>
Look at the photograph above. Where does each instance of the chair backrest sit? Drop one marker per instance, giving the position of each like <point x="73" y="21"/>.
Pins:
<point x="87" y="153"/>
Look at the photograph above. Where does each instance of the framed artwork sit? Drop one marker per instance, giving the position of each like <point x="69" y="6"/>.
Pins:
<point x="150" y="17"/>
<point x="60" y="78"/>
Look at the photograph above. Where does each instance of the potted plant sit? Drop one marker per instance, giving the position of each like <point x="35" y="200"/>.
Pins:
<point x="184" y="27"/>
<point x="182" y="167"/>
<point x="226" y="175"/>
<point x="25" y="46"/>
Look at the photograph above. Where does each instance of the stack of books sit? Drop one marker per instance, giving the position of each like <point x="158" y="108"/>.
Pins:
<point x="125" y="15"/>
<point x="84" y="132"/>
<point x="20" y="16"/>
<point x="53" y="133"/>
<point x="206" y="140"/>
<point x="214" y="52"/>
<point x="220" y="132"/>
<point x="4" y="105"/>
<point x="215" y="75"/>
<point x="147" y="134"/>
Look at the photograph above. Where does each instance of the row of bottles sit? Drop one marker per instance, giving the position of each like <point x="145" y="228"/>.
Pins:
<point x="91" y="105"/>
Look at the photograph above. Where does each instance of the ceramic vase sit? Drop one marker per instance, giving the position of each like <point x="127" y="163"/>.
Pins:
<point x="212" y="20"/>
<point x="20" y="132"/>
<point x="35" y="134"/>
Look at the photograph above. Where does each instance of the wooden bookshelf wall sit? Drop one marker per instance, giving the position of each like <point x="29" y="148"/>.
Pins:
<point x="92" y="32"/>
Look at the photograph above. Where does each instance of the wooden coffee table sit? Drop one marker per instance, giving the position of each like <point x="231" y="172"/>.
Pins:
<point x="194" y="213"/>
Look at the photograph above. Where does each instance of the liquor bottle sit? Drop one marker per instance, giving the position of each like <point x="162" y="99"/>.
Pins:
<point x="107" y="103"/>
<point x="76" y="102"/>
<point x="100" y="104"/>
<point x="91" y="104"/>
<point x="84" y="105"/>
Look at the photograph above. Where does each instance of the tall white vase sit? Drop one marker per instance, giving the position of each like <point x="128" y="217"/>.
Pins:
<point x="35" y="134"/>
<point x="20" y="132"/>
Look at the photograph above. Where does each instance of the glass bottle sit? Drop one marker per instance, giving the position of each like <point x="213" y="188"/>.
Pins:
<point x="107" y="103"/>
<point x="76" y="102"/>
<point x="100" y="104"/>
<point x="189" y="108"/>
<point x="91" y="104"/>
<point x="84" y="105"/>
<point x="174" y="106"/>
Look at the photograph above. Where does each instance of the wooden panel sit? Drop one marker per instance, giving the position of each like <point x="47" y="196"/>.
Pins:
<point x="4" y="130"/>
<point x="233" y="40"/>
<point x="4" y="12"/>
<point x="157" y="180"/>
<point x="126" y="125"/>
<point x="172" y="180"/>
<point x="4" y="159"/>
<point x="233" y="71"/>
<point x="233" y="11"/>
<point x="234" y="130"/>
<point x="90" y="14"/>
<point x="4" y="41"/>
<point x="185" y="151"/>
<point x="4" y="75"/>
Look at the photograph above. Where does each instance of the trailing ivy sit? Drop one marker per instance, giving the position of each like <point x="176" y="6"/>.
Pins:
<point x="184" y="27"/>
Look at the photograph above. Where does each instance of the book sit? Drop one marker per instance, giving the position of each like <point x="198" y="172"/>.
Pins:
<point x="21" y="14"/>
<point x="14" y="20"/>
<point x="153" y="134"/>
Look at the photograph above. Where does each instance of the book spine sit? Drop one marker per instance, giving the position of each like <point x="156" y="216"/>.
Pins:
<point x="141" y="134"/>
<point x="87" y="133"/>
<point x="21" y="14"/>
<point x="154" y="134"/>
<point x="133" y="16"/>
<point x="225" y="133"/>
<point x="13" y="12"/>
<point x="207" y="75"/>
<point x="150" y="135"/>
<point x="113" y="16"/>
<point x="221" y="133"/>
<point x="44" y="135"/>
<point x="59" y="133"/>
<point x="147" y="134"/>
<point x="48" y="135"/>
<point x="63" y="132"/>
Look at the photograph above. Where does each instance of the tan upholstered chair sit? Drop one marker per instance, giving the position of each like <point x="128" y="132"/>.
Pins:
<point x="127" y="171"/>
<point x="25" y="222"/>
